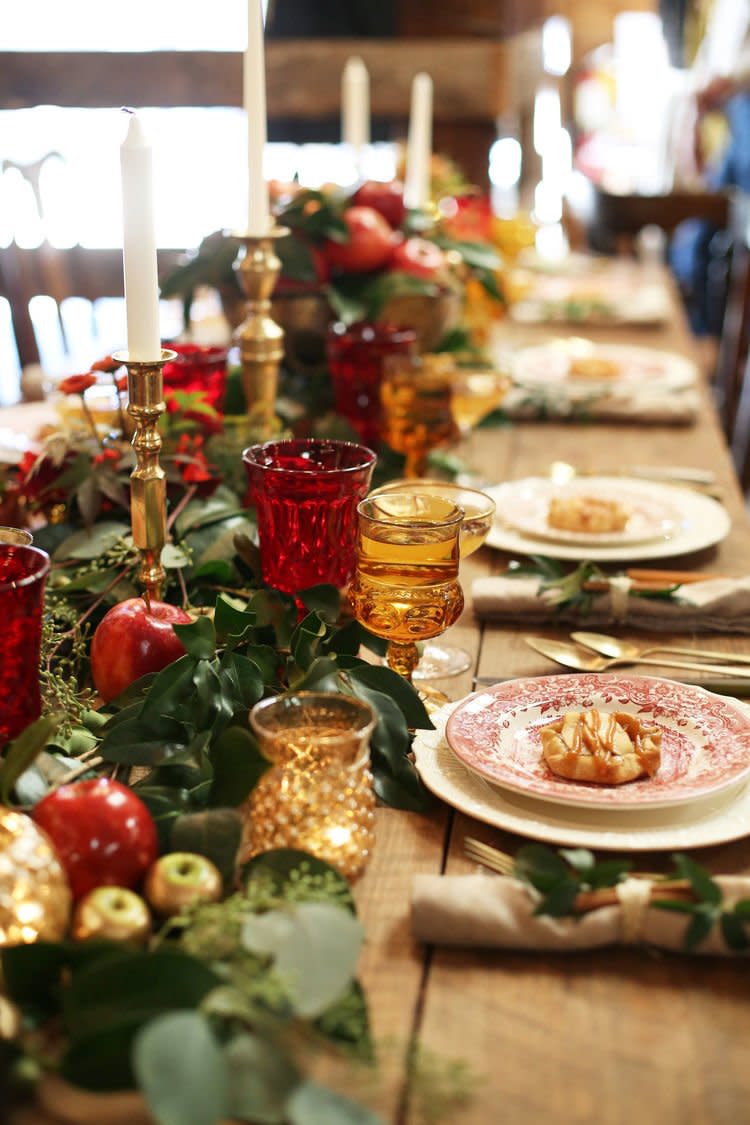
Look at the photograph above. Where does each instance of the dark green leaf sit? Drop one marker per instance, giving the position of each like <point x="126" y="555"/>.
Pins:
<point x="238" y="765"/>
<point x="324" y="600"/>
<point x="215" y="833"/>
<point x="99" y="1060"/>
<point x="23" y="750"/>
<point x="559" y="900"/>
<point x="134" y="985"/>
<point x="742" y="908"/>
<point x="169" y="690"/>
<point x="674" y="905"/>
<point x="698" y="930"/>
<point x="201" y="513"/>
<point x="181" y="1070"/>
<point x="245" y="678"/>
<point x="606" y="874"/>
<point x="165" y="804"/>
<point x="701" y="882"/>
<point x="199" y="638"/>
<point x="232" y="625"/>
<point x="92" y="544"/>
<point x="217" y="571"/>
<point x="387" y="682"/>
<point x="347" y="1022"/>
<point x="734" y="932"/>
<point x="266" y="659"/>
<point x="321" y="675"/>
<point x="541" y="867"/>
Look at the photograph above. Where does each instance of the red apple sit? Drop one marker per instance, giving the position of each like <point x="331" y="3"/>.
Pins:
<point x="369" y="245"/>
<point x="133" y="639"/>
<point x="419" y="257"/>
<point x="102" y="833"/>
<point x="385" y="198"/>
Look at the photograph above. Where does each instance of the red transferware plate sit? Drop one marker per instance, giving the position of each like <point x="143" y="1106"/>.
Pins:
<point x="705" y="738"/>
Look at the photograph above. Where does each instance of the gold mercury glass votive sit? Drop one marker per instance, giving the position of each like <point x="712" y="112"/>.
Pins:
<point x="318" y="794"/>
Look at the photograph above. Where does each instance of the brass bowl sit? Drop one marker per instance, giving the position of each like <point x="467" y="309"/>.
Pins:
<point x="305" y="318"/>
<point x="431" y="317"/>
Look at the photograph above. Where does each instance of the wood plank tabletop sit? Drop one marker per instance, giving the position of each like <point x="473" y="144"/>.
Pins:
<point x="595" y="1038"/>
<point x="599" y="1037"/>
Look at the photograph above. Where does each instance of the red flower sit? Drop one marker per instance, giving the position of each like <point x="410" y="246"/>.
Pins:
<point x="37" y="477"/>
<point x="194" y="468"/>
<point x="108" y="456"/>
<point x="121" y="382"/>
<point x="77" y="384"/>
<point x="107" y="364"/>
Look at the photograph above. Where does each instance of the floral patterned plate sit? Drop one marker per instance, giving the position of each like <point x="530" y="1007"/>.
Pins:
<point x="705" y="738"/>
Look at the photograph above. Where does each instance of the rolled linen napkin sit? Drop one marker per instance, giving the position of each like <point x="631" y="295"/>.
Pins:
<point x="718" y="605"/>
<point x="496" y="912"/>
<point x="677" y="408"/>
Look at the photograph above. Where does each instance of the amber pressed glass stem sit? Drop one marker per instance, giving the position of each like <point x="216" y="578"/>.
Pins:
<point x="403" y="658"/>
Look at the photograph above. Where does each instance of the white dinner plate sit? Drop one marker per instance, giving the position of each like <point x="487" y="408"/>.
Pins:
<point x="699" y="522"/>
<point x="650" y="517"/>
<point x="601" y="301"/>
<point x="551" y="366"/>
<point x="697" y="824"/>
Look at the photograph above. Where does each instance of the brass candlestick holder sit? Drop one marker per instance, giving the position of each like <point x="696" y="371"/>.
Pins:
<point x="260" y="338"/>
<point x="148" y="488"/>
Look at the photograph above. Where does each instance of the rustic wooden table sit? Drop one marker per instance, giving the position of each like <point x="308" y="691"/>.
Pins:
<point x="599" y="1037"/>
<point x="603" y="1037"/>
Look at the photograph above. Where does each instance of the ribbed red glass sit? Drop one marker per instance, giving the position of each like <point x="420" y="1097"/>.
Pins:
<point x="199" y="368"/>
<point x="23" y="573"/>
<point x="355" y="360"/>
<point x="305" y="494"/>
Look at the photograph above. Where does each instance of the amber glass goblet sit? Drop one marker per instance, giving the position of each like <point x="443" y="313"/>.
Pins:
<point x="417" y="417"/>
<point x="438" y="659"/>
<point x="405" y="586"/>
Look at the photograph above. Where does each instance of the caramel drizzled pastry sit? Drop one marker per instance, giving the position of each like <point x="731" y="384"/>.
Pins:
<point x="608" y="748"/>
<point x="593" y="367"/>
<point x="590" y="514"/>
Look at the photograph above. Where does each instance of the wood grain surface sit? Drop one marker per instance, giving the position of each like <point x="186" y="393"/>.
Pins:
<point x="599" y="1038"/>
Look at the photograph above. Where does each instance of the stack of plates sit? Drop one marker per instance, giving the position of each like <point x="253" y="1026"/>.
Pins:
<point x="664" y="519"/>
<point x="484" y="758"/>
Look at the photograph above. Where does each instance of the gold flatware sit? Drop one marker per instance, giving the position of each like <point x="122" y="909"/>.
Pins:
<point x="702" y="480"/>
<point x="572" y="656"/>
<point x="504" y="864"/>
<point x="619" y="649"/>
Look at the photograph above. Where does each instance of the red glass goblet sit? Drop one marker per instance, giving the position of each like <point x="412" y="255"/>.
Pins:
<point x="305" y="494"/>
<point x="23" y="573"/>
<point x="198" y="368"/>
<point x="355" y="359"/>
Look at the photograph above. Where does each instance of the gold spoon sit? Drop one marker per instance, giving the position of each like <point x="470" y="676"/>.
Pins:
<point x="573" y="657"/>
<point x="625" y="650"/>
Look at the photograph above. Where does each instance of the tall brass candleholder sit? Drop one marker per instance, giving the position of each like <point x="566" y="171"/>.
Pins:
<point x="148" y="489"/>
<point x="260" y="338"/>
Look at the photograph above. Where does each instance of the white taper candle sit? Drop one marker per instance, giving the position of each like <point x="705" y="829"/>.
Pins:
<point x="355" y="104"/>
<point x="139" y="245"/>
<point x="254" y="92"/>
<point x="419" y="147"/>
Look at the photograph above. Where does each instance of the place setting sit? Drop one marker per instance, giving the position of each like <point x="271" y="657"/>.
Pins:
<point x="569" y="376"/>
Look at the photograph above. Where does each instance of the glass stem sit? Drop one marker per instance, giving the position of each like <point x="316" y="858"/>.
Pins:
<point x="403" y="658"/>
<point x="415" y="464"/>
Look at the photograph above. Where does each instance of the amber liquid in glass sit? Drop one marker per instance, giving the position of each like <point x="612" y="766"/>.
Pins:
<point x="403" y="591"/>
<point x="475" y="396"/>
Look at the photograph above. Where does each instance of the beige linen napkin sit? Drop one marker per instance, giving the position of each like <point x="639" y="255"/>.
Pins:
<point x="676" y="407"/>
<point x="718" y="605"/>
<point x="495" y="912"/>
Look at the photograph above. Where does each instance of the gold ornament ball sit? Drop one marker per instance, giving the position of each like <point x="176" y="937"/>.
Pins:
<point x="181" y="879"/>
<point x="35" y="898"/>
<point x="111" y="914"/>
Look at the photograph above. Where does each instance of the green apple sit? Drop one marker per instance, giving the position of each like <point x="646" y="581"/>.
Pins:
<point x="181" y="879"/>
<point x="111" y="914"/>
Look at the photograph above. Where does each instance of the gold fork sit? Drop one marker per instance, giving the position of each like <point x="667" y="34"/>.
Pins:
<point x="504" y="864"/>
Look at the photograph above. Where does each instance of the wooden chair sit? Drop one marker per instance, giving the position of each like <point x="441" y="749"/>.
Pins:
<point x="618" y="219"/>
<point x="45" y="270"/>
